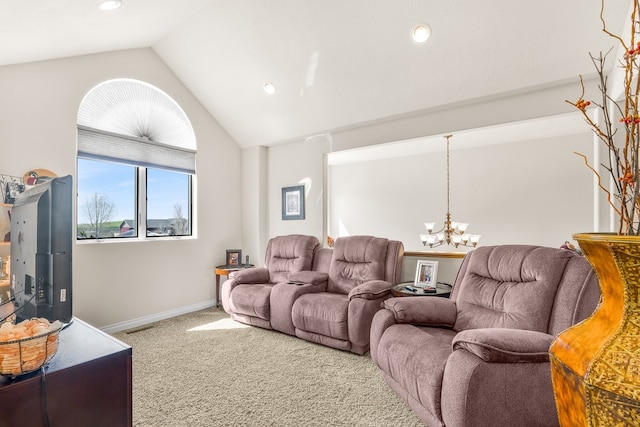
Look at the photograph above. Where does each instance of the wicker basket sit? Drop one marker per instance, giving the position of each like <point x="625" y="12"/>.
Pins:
<point x="26" y="355"/>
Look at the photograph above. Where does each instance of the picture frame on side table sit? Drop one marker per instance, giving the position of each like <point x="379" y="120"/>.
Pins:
<point x="426" y="274"/>
<point x="293" y="202"/>
<point x="234" y="257"/>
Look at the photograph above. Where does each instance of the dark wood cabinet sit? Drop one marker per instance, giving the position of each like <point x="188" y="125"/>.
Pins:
<point x="87" y="383"/>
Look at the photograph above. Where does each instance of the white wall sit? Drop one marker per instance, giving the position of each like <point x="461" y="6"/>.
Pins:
<point x="495" y="110"/>
<point x="526" y="192"/>
<point x="295" y="164"/>
<point x="115" y="282"/>
<point x="255" y="204"/>
<point x="532" y="192"/>
<point x="266" y="170"/>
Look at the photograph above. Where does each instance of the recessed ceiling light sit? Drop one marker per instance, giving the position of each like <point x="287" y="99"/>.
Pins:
<point x="269" y="88"/>
<point x="109" y="4"/>
<point x="420" y="33"/>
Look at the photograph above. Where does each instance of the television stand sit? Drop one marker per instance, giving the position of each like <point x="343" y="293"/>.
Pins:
<point x="87" y="383"/>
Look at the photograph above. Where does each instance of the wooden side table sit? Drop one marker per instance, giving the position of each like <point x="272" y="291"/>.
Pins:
<point x="225" y="270"/>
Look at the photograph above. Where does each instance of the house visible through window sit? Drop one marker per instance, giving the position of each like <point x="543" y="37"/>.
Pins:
<point x="136" y="164"/>
<point x="168" y="203"/>
<point x="107" y="195"/>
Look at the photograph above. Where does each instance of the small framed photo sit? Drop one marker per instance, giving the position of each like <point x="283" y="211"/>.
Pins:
<point x="293" y="202"/>
<point x="11" y="190"/>
<point x="426" y="274"/>
<point x="234" y="257"/>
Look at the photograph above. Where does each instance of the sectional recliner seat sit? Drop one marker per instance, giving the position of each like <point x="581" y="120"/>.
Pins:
<point x="325" y="295"/>
<point x="246" y="295"/>
<point x="481" y="357"/>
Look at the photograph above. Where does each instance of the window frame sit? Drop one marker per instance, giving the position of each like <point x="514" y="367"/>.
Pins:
<point x="142" y="202"/>
<point x="141" y="210"/>
<point x="132" y="122"/>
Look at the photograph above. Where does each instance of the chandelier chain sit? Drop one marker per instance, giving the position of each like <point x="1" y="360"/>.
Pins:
<point x="452" y="233"/>
<point x="448" y="181"/>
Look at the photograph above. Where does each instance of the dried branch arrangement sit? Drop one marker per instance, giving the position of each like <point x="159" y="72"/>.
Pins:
<point x="624" y="146"/>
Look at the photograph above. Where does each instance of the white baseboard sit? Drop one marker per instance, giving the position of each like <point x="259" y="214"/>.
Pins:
<point x="141" y="321"/>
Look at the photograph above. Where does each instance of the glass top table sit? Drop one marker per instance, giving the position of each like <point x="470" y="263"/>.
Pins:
<point x="404" y="289"/>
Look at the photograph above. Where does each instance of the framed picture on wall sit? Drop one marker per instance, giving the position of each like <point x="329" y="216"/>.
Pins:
<point x="293" y="202"/>
<point x="426" y="274"/>
<point x="234" y="257"/>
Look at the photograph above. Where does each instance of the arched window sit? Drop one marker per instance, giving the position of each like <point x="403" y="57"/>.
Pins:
<point x="136" y="163"/>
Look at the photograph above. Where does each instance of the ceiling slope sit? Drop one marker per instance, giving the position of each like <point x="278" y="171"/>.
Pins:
<point x="335" y="63"/>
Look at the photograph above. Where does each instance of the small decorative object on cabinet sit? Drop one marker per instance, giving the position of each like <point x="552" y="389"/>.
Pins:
<point x="10" y="187"/>
<point x="5" y="225"/>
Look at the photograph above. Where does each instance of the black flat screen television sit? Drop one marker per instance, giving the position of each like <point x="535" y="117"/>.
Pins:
<point x="41" y="251"/>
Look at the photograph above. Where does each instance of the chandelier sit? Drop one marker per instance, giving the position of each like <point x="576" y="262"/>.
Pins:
<point x="452" y="233"/>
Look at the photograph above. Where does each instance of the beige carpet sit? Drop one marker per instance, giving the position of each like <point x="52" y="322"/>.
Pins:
<point x="203" y="369"/>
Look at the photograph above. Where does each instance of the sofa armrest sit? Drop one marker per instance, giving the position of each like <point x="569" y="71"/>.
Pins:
<point x="372" y="289"/>
<point x="308" y="278"/>
<point x="283" y="296"/>
<point x="251" y="275"/>
<point x="429" y="311"/>
<point x="502" y="345"/>
<point x="382" y="320"/>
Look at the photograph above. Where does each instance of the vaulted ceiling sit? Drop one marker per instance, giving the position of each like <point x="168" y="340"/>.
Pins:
<point x="335" y="63"/>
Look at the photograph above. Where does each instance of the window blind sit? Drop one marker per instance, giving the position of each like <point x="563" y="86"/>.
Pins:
<point x="98" y="144"/>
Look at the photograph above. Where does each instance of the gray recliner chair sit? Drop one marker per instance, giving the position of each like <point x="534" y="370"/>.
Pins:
<point x="358" y="277"/>
<point x="247" y="294"/>
<point x="481" y="358"/>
